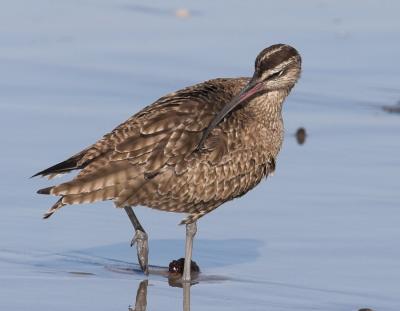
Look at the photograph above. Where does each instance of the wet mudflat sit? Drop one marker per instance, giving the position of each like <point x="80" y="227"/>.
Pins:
<point x="321" y="234"/>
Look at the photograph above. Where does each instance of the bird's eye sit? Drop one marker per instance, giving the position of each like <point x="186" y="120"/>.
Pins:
<point x="276" y="74"/>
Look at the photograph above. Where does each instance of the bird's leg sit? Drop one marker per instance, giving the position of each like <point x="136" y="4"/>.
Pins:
<point x="191" y="230"/>
<point x="140" y="239"/>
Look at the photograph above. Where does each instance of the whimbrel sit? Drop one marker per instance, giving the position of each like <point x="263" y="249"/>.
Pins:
<point x="188" y="152"/>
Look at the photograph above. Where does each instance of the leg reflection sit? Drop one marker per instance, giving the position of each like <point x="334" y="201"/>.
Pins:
<point x="186" y="296"/>
<point x="141" y="297"/>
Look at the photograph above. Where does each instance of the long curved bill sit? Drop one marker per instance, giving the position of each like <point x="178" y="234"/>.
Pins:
<point x="251" y="89"/>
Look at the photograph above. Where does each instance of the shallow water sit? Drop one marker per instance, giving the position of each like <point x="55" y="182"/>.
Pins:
<point x="322" y="234"/>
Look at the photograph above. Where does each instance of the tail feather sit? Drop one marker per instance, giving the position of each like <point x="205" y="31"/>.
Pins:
<point x="61" y="168"/>
<point x="45" y="190"/>
<point x="107" y="193"/>
<point x="54" y="208"/>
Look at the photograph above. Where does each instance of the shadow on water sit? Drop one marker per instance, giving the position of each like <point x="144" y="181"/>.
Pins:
<point x="109" y="260"/>
<point x="208" y="253"/>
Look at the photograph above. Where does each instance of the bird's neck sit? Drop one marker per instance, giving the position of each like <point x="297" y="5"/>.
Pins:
<point x="266" y="111"/>
<point x="267" y="108"/>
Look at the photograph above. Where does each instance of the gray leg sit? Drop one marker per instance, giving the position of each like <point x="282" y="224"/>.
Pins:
<point x="191" y="230"/>
<point x="140" y="239"/>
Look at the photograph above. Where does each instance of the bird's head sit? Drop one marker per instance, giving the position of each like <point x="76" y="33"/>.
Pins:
<point x="277" y="68"/>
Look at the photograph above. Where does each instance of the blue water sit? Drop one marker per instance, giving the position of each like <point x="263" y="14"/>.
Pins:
<point x="322" y="234"/>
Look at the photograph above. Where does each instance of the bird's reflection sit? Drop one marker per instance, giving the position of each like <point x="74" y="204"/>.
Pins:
<point x="141" y="294"/>
<point x="186" y="296"/>
<point x="141" y="297"/>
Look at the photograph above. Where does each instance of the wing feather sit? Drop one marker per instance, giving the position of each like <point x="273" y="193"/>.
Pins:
<point x="141" y="161"/>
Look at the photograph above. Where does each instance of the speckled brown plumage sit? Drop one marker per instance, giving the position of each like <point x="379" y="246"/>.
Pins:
<point x="163" y="157"/>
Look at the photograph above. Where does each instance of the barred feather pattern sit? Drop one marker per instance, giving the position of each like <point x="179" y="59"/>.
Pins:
<point x="152" y="160"/>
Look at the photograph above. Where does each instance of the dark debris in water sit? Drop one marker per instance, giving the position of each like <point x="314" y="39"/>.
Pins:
<point x="301" y="135"/>
<point x="175" y="271"/>
<point x="365" y="309"/>
<point x="176" y="266"/>
<point x="392" y="108"/>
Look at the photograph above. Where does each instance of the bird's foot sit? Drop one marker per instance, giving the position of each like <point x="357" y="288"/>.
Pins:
<point x="142" y="247"/>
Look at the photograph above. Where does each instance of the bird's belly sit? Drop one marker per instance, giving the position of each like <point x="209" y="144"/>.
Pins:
<point x="204" y="182"/>
<point x="203" y="186"/>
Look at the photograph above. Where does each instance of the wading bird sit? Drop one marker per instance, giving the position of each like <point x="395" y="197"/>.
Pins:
<point x="188" y="152"/>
